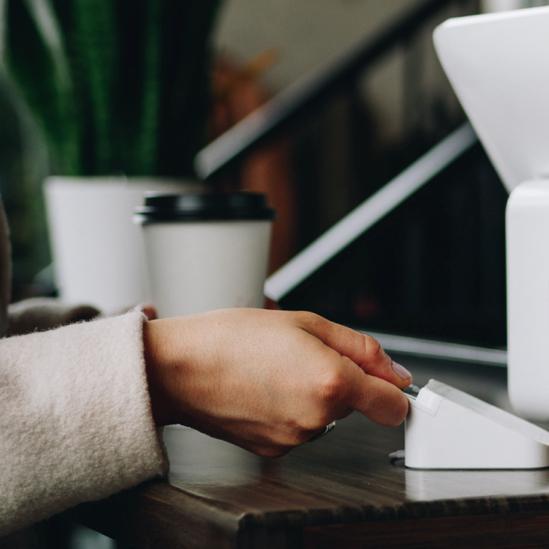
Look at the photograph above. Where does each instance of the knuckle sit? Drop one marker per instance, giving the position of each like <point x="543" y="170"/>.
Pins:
<point x="295" y="438"/>
<point x="307" y="318"/>
<point x="321" y="421"/>
<point x="373" y="349"/>
<point x="347" y="362"/>
<point x="308" y="425"/>
<point x="288" y="434"/>
<point x="299" y="431"/>
<point x="333" y="387"/>
<point x="294" y="431"/>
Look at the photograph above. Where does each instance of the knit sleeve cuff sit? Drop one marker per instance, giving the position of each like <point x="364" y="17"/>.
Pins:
<point x="75" y="418"/>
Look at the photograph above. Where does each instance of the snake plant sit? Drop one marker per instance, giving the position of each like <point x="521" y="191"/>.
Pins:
<point x="116" y="86"/>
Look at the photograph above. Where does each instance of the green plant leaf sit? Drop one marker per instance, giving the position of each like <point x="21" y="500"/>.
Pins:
<point x="48" y="29"/>
<point x="32" y="65"/>
<point x="185" y="82"/>
<point x="115" y="86"/>
<point x="95" y="35"/>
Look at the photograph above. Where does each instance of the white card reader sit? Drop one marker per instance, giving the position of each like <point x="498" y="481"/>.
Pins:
<point x="449" y="429"/>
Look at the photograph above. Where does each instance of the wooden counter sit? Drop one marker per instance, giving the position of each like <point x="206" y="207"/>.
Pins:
<point x="340" y="491"/>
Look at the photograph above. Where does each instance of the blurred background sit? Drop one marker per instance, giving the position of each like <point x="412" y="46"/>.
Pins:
<point x="434" y="268"/>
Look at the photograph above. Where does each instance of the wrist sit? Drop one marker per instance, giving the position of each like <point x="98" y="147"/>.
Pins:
<point x="157" y="373"/>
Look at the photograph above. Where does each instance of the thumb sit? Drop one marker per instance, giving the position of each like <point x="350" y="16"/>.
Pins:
<point x="377" y="399"/>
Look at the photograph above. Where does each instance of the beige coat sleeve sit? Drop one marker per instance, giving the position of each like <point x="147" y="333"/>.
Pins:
<point x="75" y="418"/>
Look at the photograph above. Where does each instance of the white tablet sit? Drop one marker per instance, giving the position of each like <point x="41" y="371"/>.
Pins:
<point x="498" y="65"/>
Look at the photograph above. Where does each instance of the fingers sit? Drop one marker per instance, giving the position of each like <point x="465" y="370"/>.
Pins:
<point x="362" y="349"/>
<point x="149" y="311"/>
<point x="345" y="387"/>
<point x="377" y="399"/>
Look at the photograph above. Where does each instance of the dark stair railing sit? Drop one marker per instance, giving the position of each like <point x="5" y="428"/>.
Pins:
<point x="308" y="94"/>
<point x="301" y="100"/>
<point x="367" y="214"/>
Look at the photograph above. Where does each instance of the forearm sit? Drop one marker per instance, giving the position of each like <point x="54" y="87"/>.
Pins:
<point x="75" y="418"/>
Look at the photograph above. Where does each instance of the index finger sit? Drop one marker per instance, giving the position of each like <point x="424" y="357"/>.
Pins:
<point x="362" y="349"/>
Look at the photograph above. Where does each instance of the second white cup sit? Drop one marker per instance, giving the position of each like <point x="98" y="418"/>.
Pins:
<point x="206" y="251"/>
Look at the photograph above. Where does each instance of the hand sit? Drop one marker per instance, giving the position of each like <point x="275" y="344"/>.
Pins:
<point x="268" y="380"/>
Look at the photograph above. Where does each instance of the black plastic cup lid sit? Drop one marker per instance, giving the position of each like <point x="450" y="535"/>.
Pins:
<point x="204" y="207"/>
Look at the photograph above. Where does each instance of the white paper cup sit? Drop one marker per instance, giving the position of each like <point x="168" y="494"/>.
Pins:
<point x="206" y="251"/>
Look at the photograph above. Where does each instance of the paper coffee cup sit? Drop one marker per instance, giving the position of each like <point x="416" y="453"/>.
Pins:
<point x="206" y="251"/>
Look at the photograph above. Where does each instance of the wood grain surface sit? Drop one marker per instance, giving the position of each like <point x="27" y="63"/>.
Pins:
<point x="340" y="491"/>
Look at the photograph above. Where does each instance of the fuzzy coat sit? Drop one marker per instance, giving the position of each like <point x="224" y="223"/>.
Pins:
<point x="75" y="417"/>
